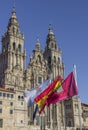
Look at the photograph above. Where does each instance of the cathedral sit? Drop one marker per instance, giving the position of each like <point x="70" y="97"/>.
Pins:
<point x="15" y="78"/>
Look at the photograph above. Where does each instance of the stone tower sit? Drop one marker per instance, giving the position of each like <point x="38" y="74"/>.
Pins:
<point x="13" y="55"/>
<point x="53" y="55"/>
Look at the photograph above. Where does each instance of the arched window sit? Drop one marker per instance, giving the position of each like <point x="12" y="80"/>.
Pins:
<point x="55" y="46"/>
<point x="39" y="58"/>
<point x="69" y="123"/>
<point x="49" y="60"/>
<point x="58" y="60"/>
<point x="54" y="59"/>
<point x="18" y="97"/>
<point x="19" y="48"/>
<point x="52" y="45"/>
<point x="14" y="46"/>
<point x="22" y="97"/>
<point x="39" y="80"/>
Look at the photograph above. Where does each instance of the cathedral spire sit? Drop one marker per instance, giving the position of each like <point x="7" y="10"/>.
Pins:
<point x="51" y="40"/>
<point x="13" y="25"/>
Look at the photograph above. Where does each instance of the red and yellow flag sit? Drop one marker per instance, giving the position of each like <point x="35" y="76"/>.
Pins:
<point x="42" y="97"/>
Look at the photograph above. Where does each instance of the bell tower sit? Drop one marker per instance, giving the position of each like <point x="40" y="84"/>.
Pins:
<point x="12" y="45"/>
<point x="13" y="55"/>
<point x="53" y="55"/>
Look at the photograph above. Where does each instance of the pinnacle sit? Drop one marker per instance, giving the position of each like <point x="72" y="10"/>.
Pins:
<point x="13" y="13"/>
<point x="50" y="29"/>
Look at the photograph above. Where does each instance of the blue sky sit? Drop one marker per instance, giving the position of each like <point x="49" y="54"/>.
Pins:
<point x="69" y="19"/>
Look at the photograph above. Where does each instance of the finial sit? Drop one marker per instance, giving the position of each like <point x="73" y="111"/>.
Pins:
<point x="50" y="29"/>
<point x="38" y="41"/>
<point x="50" y="26"/>
<point x="38" y="44"/>
<point x="13" y="11"/>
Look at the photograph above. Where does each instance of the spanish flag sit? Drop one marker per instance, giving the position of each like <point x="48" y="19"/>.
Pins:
<point x="42" y="97"/>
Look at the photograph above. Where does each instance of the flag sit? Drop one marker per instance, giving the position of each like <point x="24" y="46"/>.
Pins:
<point x="31" y="94"/>
<point x="42" y="97"/>
<point x="69" y="90"/>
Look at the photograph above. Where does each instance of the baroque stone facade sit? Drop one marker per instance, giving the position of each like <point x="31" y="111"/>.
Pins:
<point x="15" y="78"/>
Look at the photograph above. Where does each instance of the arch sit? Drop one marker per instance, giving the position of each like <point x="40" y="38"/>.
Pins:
<point x="69" y="123"/>
<point x="59" y="60"/>
<point x="14" y="46"/>
<point x="39" y="58"/>
<point x="52" y="45"/>
<point x="54" y="59"/>
<point x="19" y="48"/>
<point x="22" y="97"/>
<point x="19" y="97"/>
<point x="49" y="60"/>
<point x="55" y="46"/>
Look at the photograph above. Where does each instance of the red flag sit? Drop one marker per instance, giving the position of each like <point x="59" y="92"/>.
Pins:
<point x="69" y="89"/>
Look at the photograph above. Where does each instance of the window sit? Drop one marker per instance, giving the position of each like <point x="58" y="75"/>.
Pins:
<point x="4" y="94"/>
<point x="0" y="93"/>
<point x="1" y="123"/>
<point x="52" y="45"/>
<point x="49" y="60"/>
<point x="0" y="110"/>
<point x="11" y="95"/>
<point x="21" y="121"/>
<point x="11" y="111"/>
<point x="68" y="106"/>
<point x="0" y="102"/>
<point x="11" y="103"/>
<point x="18" y="97"/>
<point x="76" y="106"/>
<point x="19" y="48"/>
<point x="14" y="46"/>
<point x="55" y="46"/>
<point x="69" y="123"/>
<point x="22" y="97"/>
<point x="54" y="59"/>
<point x="21" y="103"/>
<point x="39" y="80"/>
<point x="58" y="60"/>
<point x="8" y="95"/>
<point x="39" y="58"/>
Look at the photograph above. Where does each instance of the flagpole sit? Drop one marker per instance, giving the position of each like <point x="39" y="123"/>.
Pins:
<point x="79" y="113"/>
